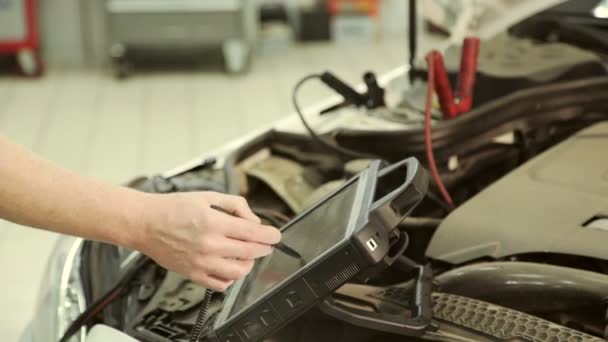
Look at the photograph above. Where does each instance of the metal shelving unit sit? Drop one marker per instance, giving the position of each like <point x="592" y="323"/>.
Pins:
<point x="166" y="25"/>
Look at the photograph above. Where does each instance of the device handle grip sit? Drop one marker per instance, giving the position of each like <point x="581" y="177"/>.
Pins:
<point x="398" y="203"/>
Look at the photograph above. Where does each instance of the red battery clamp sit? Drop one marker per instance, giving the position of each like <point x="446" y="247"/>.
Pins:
<point x="452" y="105"/>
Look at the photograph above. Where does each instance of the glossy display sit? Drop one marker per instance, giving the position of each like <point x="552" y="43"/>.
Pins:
<point x="310" y="236"/>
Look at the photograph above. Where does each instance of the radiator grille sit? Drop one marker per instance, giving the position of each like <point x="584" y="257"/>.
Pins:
<point x="490" y="319"/>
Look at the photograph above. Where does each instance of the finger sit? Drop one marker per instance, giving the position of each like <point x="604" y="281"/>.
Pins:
<point x="229" y="269"/>
<point x="239" y="229"/>
<point x="212" y="282"/>
<point x="235" y="205"/>
<point x="231" y="248"/>
<point x="245" y="265"/>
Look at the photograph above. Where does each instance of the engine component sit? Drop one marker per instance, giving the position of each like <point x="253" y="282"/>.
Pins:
<point x="121" y="288"/>
<point x="286" y="178"/>
<point x="474" y="320"/>
<point x="543" y="206"/>
<point x="387" y="321"/>
<point x="501" y="322"/>
<point x="562" y="294"/>
<point x="493" y="281"/>
<point x="575" y="22"/>
<point x="171" y="311"/>
<point x="355" y="166"/>
<point x="103" y="333"/>
<point x="567" y="105"/>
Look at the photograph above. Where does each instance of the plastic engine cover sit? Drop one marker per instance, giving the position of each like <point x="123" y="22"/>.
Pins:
<point x="554" y="203"/>
<point x="103" y="333"/>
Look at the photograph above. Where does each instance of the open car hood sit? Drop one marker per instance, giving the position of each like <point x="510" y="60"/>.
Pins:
<point x="484" y="18"/>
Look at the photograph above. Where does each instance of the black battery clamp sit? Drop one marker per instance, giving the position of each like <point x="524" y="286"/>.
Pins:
<point x="349" y="234"/>
<point x="373" y="98"/>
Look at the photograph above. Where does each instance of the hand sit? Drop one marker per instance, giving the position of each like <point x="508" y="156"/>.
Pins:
<point x="184" y="234"/>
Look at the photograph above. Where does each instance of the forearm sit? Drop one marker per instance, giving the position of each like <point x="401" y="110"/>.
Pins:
<point x="38" y="193"/>
<point x="181" y="232"/>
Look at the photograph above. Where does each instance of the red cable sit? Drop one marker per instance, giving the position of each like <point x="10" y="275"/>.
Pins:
<point x="467" y="74"/>
<point x="86" y="317"/>
<point x="428" y="143"/>
<point x="104" y="303"/>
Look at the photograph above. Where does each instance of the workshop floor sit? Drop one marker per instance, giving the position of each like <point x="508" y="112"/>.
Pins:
<point x="114" y="130"/>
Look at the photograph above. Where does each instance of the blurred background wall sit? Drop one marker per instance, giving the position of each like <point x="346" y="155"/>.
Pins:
<point x="74" y="32"/>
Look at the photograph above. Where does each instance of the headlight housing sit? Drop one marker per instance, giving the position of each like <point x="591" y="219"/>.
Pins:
<point x="61" y="298"/>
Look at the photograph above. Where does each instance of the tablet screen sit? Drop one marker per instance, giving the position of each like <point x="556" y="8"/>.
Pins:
<point x="311" y="236"/>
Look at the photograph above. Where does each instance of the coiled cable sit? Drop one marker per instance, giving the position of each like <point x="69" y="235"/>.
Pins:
<point x="197" y="328"/>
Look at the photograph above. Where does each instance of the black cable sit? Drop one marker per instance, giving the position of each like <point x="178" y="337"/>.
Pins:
<point x="121" y="288"/>
<point x="606" y="320"/>
<point x="413" y="37"/>
<point x="195" y="333"/>
<point x="606" y="328"/>
<point x="334" y="148"/>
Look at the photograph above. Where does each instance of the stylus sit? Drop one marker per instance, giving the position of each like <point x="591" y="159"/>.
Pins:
<point x="289" y="251"/>
<point x="280" y="246"/>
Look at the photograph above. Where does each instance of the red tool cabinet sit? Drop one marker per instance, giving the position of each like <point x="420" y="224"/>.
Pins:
<point x="19" y="34"/>
<point x="369" y="7"/>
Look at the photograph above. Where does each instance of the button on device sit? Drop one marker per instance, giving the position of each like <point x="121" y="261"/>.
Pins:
<point x="253" y="329"/>
<point x="293" y="299"/>
<point x="268" y="318"/>
<point x="231" y="338"/>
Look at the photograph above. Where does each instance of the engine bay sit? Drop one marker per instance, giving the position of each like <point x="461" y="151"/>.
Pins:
<point x="528" y="175"/>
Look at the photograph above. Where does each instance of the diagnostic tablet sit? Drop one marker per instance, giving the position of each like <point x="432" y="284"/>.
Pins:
<point x="341" y="237"/>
